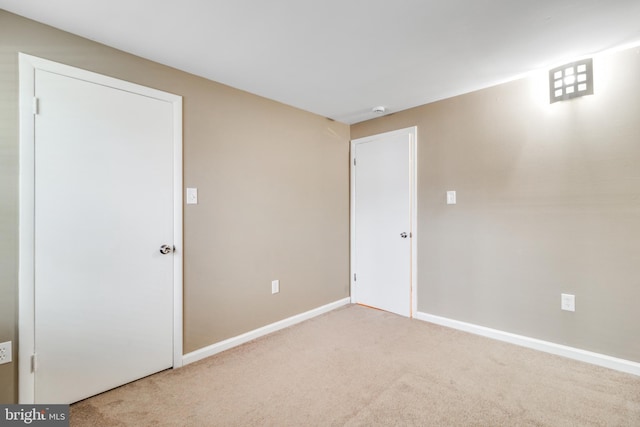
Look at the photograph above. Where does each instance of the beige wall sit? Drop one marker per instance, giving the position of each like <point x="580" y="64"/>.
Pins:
<point x="548" y="203"/>
<point x="273" y="194"/>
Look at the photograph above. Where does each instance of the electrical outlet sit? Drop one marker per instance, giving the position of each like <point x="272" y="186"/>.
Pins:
<point x="275" y="286"/>
<point x="451" y="197"/>
<point x="568" y="302"/>
<point x="5" y="352"/>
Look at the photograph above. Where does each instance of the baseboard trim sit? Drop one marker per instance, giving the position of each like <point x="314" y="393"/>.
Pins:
<point x="603" y="360"/>
<point x="221" y="346"/>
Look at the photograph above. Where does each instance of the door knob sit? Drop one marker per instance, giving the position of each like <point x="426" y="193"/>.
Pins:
<point x="403" y="235"/>
<point x="165" y="249"/>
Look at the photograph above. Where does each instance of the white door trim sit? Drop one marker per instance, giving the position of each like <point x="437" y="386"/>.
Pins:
<point x="413" y="132"/>
<point x="26" y="307"/>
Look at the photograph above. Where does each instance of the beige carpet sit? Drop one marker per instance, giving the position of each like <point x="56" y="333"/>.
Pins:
<point x="357" y="366"/>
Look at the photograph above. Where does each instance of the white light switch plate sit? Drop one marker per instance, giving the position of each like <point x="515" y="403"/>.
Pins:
<point x="275" y="286"/>
<point x="451" y="197"/>
<point x="192" y="196"/>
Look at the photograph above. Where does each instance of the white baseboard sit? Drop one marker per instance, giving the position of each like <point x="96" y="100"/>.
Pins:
<point x="216" y="348"/>
<point x="536" y="344"/>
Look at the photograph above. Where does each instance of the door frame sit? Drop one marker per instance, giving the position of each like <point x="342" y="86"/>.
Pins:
<point x="26" y="281"/>
<point x="413" y="133"/>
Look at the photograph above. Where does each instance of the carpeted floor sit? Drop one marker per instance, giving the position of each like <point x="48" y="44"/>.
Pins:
<point x="357" y="366"/>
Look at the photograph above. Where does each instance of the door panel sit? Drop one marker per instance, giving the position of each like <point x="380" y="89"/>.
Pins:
<point x="104" y="206"/>
<point x="382" y="213"/>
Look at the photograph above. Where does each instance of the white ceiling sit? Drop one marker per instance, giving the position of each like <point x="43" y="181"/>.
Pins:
<point x="340" y="58"/>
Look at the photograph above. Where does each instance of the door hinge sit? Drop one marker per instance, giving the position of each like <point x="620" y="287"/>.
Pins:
<point x="354" y="161"/>
<point x="34" y="362"/>
<point x="36" y="106"/>
<point x="354" y="277"/>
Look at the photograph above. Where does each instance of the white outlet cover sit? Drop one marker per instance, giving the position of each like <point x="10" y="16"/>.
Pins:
<point x="568" y="302"/>
<point x="5" y="352"/>
<point x="275" y="286"/>
<point x="451" y="197"/>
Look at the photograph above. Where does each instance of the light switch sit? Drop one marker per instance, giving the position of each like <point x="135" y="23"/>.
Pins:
<point x="451" y="197"/>
<point x="192" y="196"/>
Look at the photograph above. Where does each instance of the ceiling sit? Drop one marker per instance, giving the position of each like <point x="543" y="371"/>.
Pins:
<point x="341" y="58"/>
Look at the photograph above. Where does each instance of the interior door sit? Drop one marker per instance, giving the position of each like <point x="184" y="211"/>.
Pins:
<point x="382" y="221"/>
<point x="103" y="208"/>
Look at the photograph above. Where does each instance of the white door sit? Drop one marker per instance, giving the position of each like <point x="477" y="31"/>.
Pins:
<point x="382" y="219"/>
<point x="103" y="208"/>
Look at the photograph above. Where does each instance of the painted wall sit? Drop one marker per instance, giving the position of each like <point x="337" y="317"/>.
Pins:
<point x="273" y="194"/>
<point x="548" y="203"/>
